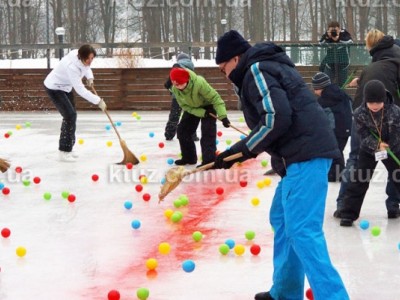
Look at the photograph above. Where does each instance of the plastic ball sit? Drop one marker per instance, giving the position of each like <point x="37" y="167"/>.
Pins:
<point x="20" y="251"/>
<point x="28" y="124"/>
<point x="197" y="236"/>
<point x="231" y="243"/>
<point x="177" y="203"/>
<point x="398" y="246"/>
<point x="163" y="180"/>
<point x="108" y="127"/>
<point x="128" y="204"/>
<point x="188" y="266"/>
<point x="143" y="157"/>
<point x="95" y="177"/>
<point x="176" y="217"/>
<point x="47" y="196"/>
<point x="219" y="190"/>
<point x="224" y="249"/>
<point x="242" y="136"/>
<point x="168" y="213"/>
<point x="64" y="194"/>
<point x="376" y="230"/>
<point x="184" y="200"/>
<point x="243" y="183"/>
<point x="18" y="170"/>
<point x="260" y="184"/>
<point x="164" y="248"/>
<point x="1" y="185"/>
<point x="136" y="224"/>
<point x="267" y="181"/>
<point x="228" y="142"/>
<point x="26" y="182"/>
<point x="250" y="235"/>
<point x="71" y="198"/>
<point x="364" y="224"/>
<point x="143" y="179"/>
<point x="146" y="197"/>
<point x="161" y="145"/>
<point x="5" y="190"/>
<point x="129" y="166"/>
<point x="239" y="249"/>
<point x="255" y="201"/>
<point x="264" y="163"/>
<point x="142" y="293"/>
<point x="138" y="117"/>
<point x="18" y="126"/>
<point x="7" y="135"/>
<point x="151" y="134"/>
<point x="170" y="161"/>
<point x="255" y="249"/>
<point x="113" y="295"/>
<point x="151" y="263"/>
<point x="241" y="119"/>
<point x="37" y="180"/>
<point x="81" y="141"/>
<point x="309" y="294"/>
<point x="5" y="232"/>
<point x="118" y="123"/>
<point x="109" y="143"/>
<point x="138" y="188"/>
<point x="134" y="114"/>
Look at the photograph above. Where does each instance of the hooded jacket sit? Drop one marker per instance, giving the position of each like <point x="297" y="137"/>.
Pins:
<point x="281" y="111"/>
<point x="339" y="53"/>
<point x="390" y="126"/>
<point x="197" y="95"/>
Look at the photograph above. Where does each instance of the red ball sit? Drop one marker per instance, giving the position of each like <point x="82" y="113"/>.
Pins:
<point x="6" y="135"/>
<point x="219" y="190"/>
<point x="95" y="177"/>
<point x="5" y="191"/>
<point x="219" y="133"/>
<point x="71" y="198"/>
<point x="146" y="197"/>
<point x="18" y="170"/>
<point x="161" y="145"/>
<point x="138" y="188"/>
<point x="129" y="166"/>
<point x="309" y="294"/>
<point x="255" y="249"/>
<point x="113" y="295"/>
<point x="5" y="232"/>
<point x="36" y="180"/>
<point x="243" y="183"/>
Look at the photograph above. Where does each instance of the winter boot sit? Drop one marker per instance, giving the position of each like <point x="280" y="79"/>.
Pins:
<point x="263" y="296"/>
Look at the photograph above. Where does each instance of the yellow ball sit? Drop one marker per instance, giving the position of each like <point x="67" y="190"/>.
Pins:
<point x="20" y="251"/>
<point x="267" y="181"/>
<point x="168" y="213"/>
<point x="151" y="263"/>
<point x="239" y="249"/>
<point x="18" y="126"/>
<point x="255" y="201"/>
<point x="81" y="141"/>
<point x="260" y="184"/>
<point x="144" y="180"/>
<point x="134" y="114"/>
<point x="143" y="157"/>
<point x="109" y="143"/>
<point x="164" y="248"/>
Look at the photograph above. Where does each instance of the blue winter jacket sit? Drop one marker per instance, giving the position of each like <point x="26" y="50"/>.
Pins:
<point x="281" y="111"/>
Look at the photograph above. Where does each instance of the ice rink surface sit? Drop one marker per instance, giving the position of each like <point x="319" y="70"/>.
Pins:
<point x="83" y="249"/>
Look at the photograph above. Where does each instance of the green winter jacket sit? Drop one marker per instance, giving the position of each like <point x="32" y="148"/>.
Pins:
<point x="198" y="94"/>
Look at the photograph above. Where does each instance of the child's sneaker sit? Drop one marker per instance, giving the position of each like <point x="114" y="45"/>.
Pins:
<point x="66" y="157"/>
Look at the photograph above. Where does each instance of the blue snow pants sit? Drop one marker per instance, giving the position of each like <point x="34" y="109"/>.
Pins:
<point x="300" y="249"/>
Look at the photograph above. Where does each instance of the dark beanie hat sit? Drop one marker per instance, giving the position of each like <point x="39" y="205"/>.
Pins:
<point x="320" y="81"/>
<point x="230" y="45"/>
<point x="179" y="75"/>
<point x="182" y="55"/>
<point x="374" y="91"/>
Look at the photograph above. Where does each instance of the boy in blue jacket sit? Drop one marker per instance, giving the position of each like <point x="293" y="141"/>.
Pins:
<point x="282" y="114"/>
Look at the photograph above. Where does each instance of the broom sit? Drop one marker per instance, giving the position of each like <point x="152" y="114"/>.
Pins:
<point x="4" y="165"/>
<point x="390" y="152"/>
<point x="230" y="125"/>
<point x="175" y="175"/>
<point x="129" y="157"/>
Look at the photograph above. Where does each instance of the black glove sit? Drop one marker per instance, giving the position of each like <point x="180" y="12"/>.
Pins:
<point x="239" y="147"/>
<point x="226" y="122"/>
<point x="278" y="165"/>
<point x="168" y="84"/>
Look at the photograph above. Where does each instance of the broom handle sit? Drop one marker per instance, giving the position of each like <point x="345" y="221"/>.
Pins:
<point x="109" y="117"/>
<point x="210" y="165"/>
<point x="230" y="125"/>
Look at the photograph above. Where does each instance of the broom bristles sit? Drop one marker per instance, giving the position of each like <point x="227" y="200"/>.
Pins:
<point x="173" y="178"/>
<point x="4" y="165"/>
<point x="129" y="157"/>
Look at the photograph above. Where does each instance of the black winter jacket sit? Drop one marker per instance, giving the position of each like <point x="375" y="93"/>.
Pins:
<point x="337" y="51"/>
<point x="390" y="126"/>
<point x="339" y="103"/>
<point x="281" y="111"/>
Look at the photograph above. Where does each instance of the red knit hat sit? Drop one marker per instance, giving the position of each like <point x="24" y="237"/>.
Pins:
<point x="179" y="75"/>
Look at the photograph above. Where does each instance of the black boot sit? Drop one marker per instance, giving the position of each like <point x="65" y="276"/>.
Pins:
<point x="182" y="162"/>
<point x="346" y="222"/>
<point x="270" y="172"/>
<point x="393" y="214"/>
<point x="263" y="296"/>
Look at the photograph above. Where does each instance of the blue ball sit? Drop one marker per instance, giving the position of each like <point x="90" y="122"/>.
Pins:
<point x="170" y="161"/>
<point x="398" y="246"/>
<point x="163" y="180"/>
<point x="128" y="204"/>
<point x="216" y="142"/>
<point x="151" y="134"/>
<point x="188" y="265"/>
<point x="230" y="243"/>
<point x="108" y="127"/>
<point x="364" y="224"/>
<point x="242" y="137"/>
<point x="1" y="186"/>
<point x="118" y="123"/>
<point x="135" y="224"/>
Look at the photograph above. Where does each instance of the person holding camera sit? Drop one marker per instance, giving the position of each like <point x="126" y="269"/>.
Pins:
<point x="336" y="61"/>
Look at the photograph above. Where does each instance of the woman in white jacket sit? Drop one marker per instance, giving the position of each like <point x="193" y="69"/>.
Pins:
<point x="59" y="83"/>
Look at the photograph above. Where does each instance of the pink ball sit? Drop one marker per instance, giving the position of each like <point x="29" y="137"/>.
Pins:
<point x="95" y="177"/>
<point x="146" y="197"/>
<point x="5" y="232"/>
<point x="219" y="190"/>
<point x="243" y="183"/>
<point x="5" y="191"/>
<point x="129" y="166"/>
<point x="113" y="295"/>
<point x="219" y="133"/>
<point x="36" y="180"/>
<point x="18" y="170"/>
<point x="255" y="249"/>
<point x="161" y="145"/>
<point x="71" y="198"/>
<point x="138" y="188"/>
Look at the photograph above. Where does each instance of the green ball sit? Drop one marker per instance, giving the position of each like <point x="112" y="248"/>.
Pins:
<point x="224" y="249"/>
<point x="184" y="200"/>
<point x="65" y="194"/>
<point x="241" y="119"/>
<point x="250" y="235"/>
<point x="197" y="236"/>
<point x="142" y="293"/>
<point x="27" y="124"/>
<point x="376" y="230"/>
<point x="26" y="182"/>
<point x="176" y="216"/>
<point x="177" y="203"/>
<point x="47" y="196"/>
<point x="228" y="142"/>
<point x="264" y="163"/>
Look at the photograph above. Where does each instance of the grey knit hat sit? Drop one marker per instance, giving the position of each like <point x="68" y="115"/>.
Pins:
<point x="182" y="55"/>
<point x="320" y="81"/>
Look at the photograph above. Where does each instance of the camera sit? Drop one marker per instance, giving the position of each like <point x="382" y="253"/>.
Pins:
<point x="334" y="33"/>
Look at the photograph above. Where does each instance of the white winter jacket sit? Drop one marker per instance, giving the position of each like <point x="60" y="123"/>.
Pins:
<point x="68" y="74"/>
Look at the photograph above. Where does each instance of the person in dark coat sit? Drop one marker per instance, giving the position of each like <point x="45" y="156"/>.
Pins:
<point x="385" y="67"/>
<point x="336" y="62"/>
<point x="282" y="114"/>
<point x="183" y="61"/>
<point x="337" y="105"/>
<point x="378" y="126"/>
